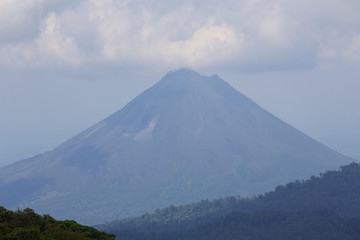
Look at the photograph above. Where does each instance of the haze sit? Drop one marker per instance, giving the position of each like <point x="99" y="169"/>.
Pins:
<point x="64" y="65"/>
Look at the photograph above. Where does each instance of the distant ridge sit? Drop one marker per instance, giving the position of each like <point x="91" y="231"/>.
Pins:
<point x="187" y="138"/>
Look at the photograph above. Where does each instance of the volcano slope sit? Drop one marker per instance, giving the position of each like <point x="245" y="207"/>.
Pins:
<point x="187" y="138"/>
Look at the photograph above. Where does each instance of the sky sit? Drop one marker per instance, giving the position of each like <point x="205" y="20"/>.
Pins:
<point x="67" y="64"/>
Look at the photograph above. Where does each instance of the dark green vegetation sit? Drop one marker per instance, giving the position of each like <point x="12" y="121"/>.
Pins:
<point x="323" y="207"/>
<point x="264" y="225"/>
<point x="27" y="225"/>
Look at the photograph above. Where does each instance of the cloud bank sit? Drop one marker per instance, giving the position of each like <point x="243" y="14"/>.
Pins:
<point x="245" y="34"/>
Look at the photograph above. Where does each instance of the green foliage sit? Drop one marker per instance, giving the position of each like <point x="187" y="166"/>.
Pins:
<point x="338" y="191"/>
<point x="335" y="191"/>
<point x="317" y="225"/>
<point x="27" y="225"/>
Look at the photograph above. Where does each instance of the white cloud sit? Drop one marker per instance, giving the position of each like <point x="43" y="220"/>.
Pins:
<point x="264" y="34"/>
<point x="17" y="18"/>
<point x="51" y="43"/>
<point x="49" y="48"/>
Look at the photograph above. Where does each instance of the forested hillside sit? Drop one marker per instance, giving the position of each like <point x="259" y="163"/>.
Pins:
<point x="334" y="191"/>
<point x="27" y="225"/>
<point x="317" y="225"/>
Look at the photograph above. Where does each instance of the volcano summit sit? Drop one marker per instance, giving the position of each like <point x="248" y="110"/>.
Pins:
<point x="187" y="138"/>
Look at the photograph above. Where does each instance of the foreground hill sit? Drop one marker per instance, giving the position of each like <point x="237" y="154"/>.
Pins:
<point x="334" y="191"/>
<point x="187" y="138"/>
<point x="27" y="225"/>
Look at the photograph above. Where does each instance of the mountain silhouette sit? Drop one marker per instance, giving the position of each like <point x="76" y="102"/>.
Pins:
<point x="187" y="138"/>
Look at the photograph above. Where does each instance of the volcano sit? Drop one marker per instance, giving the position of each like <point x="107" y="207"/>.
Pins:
<point x="187" y="138"/>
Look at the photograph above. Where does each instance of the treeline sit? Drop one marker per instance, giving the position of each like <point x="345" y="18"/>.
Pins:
<point x="334" y="191"/>
<point x="317" y="225"/>
<point x="27" y="225"/>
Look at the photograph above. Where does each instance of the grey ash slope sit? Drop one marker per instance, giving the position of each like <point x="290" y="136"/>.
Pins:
<point x="187" y="138"/>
